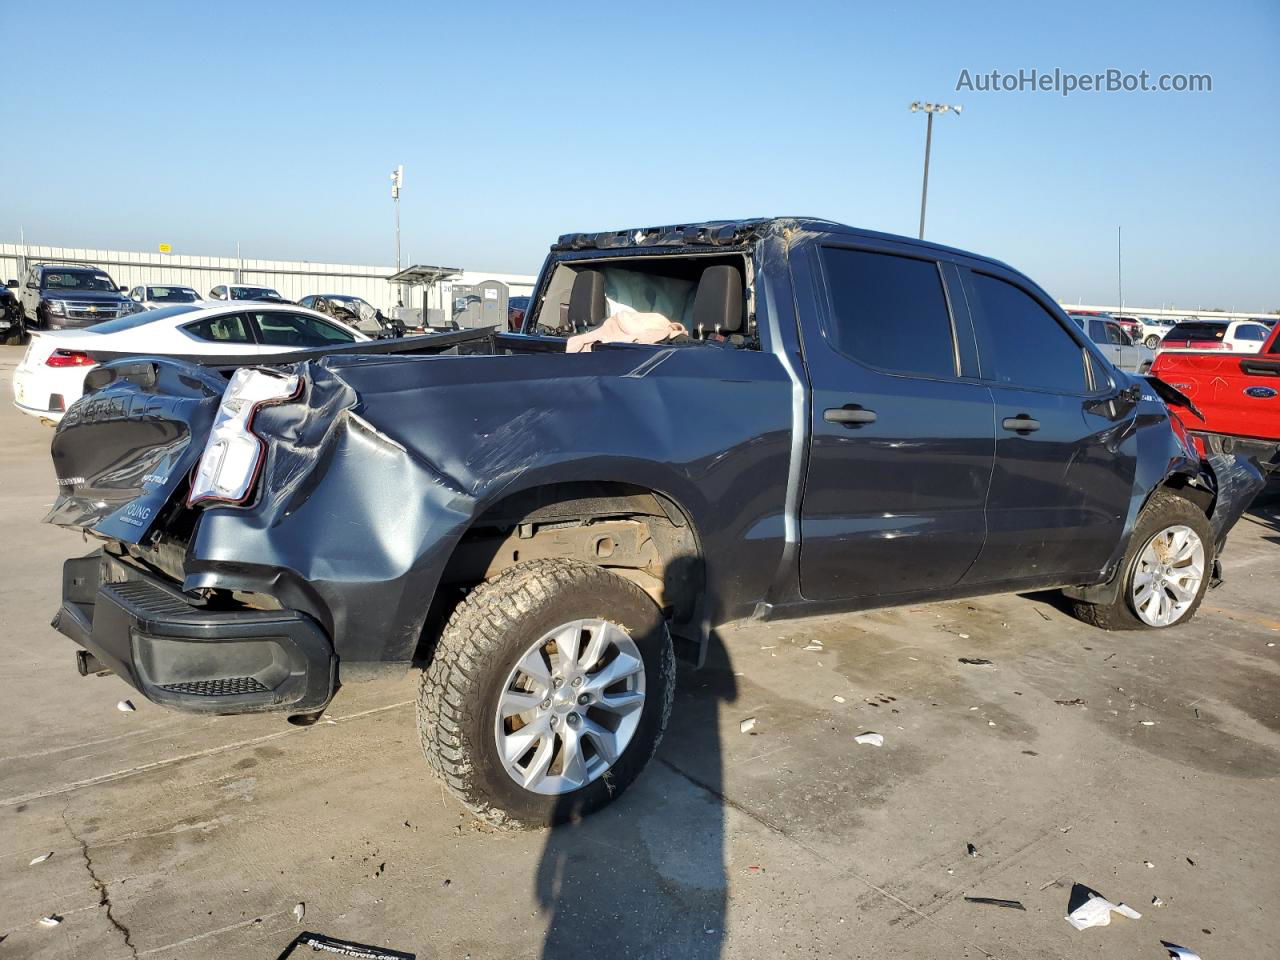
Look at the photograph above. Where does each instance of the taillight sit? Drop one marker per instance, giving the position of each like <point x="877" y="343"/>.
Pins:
<point x="233" y="454"/>
<point x="69" y="358"/>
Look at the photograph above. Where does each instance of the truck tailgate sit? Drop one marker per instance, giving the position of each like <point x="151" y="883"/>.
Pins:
<point x="1239" y="394"/>
<point x="123" y="451"/>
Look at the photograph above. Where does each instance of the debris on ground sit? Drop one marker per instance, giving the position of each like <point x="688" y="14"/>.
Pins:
<point x="41" y="859"/>
<point x="838" y="699"/>
<point x="343" y="948"/>
<point x="996" y="902"/>
<point x="1074" y="702"/>
<point x="869" y="738"/>
<point x="1147" y="723"/>
<point x="126" y="706"/>
<point x="813" y="647"/>
<point x="970" y="849"/>
<point x="976" y="661"/>
<point x="1157" y="902"/>
<point x="1149" y="864"/>
<point x="1088" y="908"/>
<point x="1043" y="615"/>
<point x="747" y="725"/>
<point x="299" y="911"/>
<point x="1179" y="953"/>
<point x="52" y="920"/>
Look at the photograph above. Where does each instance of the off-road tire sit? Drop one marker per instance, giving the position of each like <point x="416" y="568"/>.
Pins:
<point x="1164" y="509"/>
<point x="484" y="638"/>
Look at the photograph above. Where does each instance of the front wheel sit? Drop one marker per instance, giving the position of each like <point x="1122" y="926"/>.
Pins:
<point x="1165" y="571"/>
<point x="547" y="693"/>
<point x="1152" y="341"/>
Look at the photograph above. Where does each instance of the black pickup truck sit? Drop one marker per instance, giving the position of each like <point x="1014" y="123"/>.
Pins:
<point x="853" y="420"/>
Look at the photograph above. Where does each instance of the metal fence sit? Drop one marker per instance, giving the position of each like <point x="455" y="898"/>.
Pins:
<point x="293" y="279"/>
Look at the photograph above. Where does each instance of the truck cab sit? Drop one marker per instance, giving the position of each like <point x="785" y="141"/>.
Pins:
<point x="58" y="296"/>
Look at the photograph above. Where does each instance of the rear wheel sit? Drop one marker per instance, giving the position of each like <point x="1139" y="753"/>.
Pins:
<point x="548" y="692"/>
<point x="1152" y="341"/>
<point x="1165" y="572"/>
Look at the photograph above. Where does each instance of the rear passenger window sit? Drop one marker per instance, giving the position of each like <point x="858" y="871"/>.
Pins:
<point x="1022" y="343"/>
<point x="889" y="312"/>
<point x="228" y="328"/>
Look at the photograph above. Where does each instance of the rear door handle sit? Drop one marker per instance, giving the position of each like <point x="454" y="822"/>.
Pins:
<point x="1021" y="424"/>
<point x="851" y="415"/>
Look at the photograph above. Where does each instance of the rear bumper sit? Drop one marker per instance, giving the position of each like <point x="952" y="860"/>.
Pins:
<point x="181" y="655"/>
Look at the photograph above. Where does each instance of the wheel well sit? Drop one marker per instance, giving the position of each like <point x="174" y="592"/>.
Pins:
<point x="1190" y="488"/>
<point x="635" y="532"/>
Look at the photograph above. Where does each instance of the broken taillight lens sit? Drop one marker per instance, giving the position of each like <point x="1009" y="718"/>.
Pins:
<point x="69" y="358"/>
<point x="233" y="454"/>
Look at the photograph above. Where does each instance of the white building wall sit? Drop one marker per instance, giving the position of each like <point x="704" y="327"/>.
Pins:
<point x="294" y="279"/>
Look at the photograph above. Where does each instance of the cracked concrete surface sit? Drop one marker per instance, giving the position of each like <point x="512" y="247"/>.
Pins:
<point x="180" y="837"/>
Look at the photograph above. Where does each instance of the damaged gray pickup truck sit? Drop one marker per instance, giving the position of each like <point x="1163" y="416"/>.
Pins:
<point x="852" y="420"/>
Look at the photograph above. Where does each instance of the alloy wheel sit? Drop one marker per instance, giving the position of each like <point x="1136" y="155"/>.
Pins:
<point x="1167" y="576"/>
<point x="570" y="706"/>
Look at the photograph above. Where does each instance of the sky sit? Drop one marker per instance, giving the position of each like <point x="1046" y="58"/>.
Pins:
<point x="275" y="126"/>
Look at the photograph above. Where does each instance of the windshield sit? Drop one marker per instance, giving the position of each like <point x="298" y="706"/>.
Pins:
<point x="253" y="293"/>
<point x="138" y="319"/>
<point x="77" y="280"/>
<point x="172" y="294"/>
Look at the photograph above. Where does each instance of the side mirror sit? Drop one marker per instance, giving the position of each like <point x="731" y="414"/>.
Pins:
<point x="123" y="289"/>
<point x="11" y="284"/>
<point x="31" y="285"/>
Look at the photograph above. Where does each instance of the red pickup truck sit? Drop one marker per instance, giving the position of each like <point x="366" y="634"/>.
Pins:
<point x="1236" y="395"/>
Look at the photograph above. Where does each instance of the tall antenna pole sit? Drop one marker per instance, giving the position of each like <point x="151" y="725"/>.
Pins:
<point x="1120" y="268"/>
<point x="929" y="109"/>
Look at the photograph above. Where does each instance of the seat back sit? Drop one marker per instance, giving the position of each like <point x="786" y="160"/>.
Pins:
<point x="717" y="305"/>
<point x="586" y="300"/>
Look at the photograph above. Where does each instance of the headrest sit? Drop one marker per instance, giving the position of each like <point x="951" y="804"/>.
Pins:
<point x="718" y="303"/>
<point x="586" y="300"/>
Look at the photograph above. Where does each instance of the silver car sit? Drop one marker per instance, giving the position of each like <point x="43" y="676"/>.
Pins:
<point x="1116" y="345"/>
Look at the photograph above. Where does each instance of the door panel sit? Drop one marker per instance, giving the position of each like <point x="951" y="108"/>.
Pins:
<point x="899" y="460"/>
<point x="1060" y="493"/>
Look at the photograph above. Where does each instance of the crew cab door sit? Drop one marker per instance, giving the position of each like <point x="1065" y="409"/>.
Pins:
<point x="902" y="444"/>
<point x="1065" y="456"/>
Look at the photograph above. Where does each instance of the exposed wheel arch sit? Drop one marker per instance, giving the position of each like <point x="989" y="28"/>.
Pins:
<point x="636" y="532"/>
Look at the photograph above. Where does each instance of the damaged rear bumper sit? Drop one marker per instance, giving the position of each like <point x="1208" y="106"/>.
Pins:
<point x="182" y="655"/>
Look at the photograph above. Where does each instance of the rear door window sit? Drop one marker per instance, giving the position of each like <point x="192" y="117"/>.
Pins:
<point x="1251" y="331"/>
<point x="280" y="329"/>
<point x="227" y="328"/>
<point x="889" y="312"/>
<point x="1021" y="343"/>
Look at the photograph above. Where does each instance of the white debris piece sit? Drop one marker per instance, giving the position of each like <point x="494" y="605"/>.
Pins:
<point x="52" y="920"/>
<point x="126" y="706"/>
<point x="1157" y="902"/>
<point x="41" y="859"/>
<point x="872" y="739"/>
<point x="299" y="911"/>
<point x="1096" y="912"/>
<point x="838" y="699"/>
<point x="813" y="647"/>
<point x="747" y="725"/>
<point x="1179" y="953"/>
<point x="1147" y="723"/>
<point x="1150" y="865"/>
<point x="963" y="636"/>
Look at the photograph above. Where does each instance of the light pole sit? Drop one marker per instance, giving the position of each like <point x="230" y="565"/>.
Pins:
<point x="930" y="109"/>
<point x="397" y="181"/>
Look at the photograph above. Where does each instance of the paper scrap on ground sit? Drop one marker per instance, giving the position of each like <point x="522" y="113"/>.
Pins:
<point x="41" y="859"/>
<point x="747" y="725"/>
<point x="873" y="739"/>
<point x="124" y="706"/>
<point x="1179" y="953"/>
<point x="299" y="911"/>
<point x="813" y="647"/>
<point x="50" y="921"/>
<point x="838" y="699"/>
<point x="1096" y="912"/>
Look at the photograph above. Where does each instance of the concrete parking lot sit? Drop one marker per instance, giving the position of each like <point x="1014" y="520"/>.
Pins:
<point x="1142" y="765"/>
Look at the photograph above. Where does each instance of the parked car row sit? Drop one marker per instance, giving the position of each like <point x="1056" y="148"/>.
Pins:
<point x="66" y="296"/>
<point x="51" y="375"/>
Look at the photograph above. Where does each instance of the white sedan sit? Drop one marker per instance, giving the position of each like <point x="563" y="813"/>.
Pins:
<point x="51" y="375"/>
